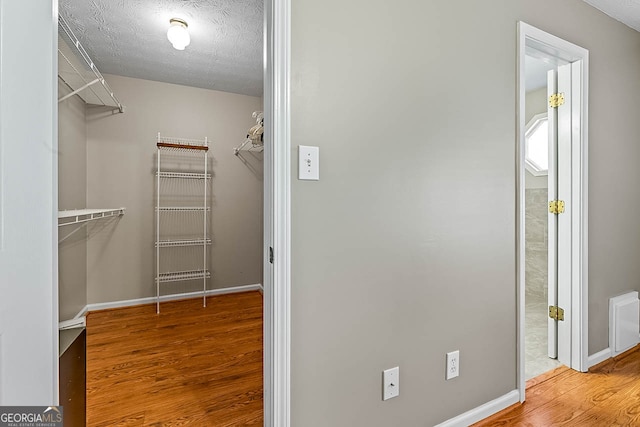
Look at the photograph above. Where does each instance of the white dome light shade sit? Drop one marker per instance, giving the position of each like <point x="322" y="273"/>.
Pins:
<point x="178" y="34"/>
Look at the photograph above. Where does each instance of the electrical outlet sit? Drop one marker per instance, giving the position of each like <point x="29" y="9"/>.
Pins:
<point x="453" y="364"/>
<point x="390" y="383"/>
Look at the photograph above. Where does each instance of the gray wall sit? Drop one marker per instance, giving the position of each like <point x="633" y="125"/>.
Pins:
<point x="405" y="249"/>
<point x="121" y="157"/>
<point x="72" y="194"/>
<point x="535" y="102"/>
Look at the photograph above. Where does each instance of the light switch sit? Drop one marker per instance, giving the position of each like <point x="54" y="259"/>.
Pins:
<point x="391" y="383"/>
<point x="308" y="163"/>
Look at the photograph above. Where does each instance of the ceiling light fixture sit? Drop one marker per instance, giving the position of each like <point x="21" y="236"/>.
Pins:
<point x="178" y="34"/>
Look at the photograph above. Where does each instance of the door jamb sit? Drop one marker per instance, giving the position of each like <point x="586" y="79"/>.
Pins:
<point x="533" y="38"/>
<point x="277" y="219"/>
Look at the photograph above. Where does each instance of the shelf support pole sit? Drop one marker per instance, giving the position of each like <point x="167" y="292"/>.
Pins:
<point x="158" y="233"/>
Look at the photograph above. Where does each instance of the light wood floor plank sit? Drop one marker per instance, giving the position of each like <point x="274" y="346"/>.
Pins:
<point x="188" y="366"/>
<point x="608" y="395"/>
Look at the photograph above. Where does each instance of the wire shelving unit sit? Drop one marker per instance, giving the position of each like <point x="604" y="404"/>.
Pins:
<point x="198" y="149"/>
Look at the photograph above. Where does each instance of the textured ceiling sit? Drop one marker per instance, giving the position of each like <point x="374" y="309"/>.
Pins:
<point x="625" y="11"/>
<point x="129" y="38"/>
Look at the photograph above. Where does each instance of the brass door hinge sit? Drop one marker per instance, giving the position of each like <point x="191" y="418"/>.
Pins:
<point x="556" y="100"/>
<point x="556" y="313"/>
<point x="556" y="207"/>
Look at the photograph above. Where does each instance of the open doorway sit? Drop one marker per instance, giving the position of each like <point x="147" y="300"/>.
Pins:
<point x="537" y="360"/>
<point x="566" y="102"/>
<point x="118" y="146"/>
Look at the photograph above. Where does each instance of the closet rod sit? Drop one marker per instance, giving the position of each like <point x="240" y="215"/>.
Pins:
<point x="182" y="146"/>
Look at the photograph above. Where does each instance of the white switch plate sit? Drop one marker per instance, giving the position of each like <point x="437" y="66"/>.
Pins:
<point x="453" y="364"/>
<point x="308" y="163"/>
<point x="390" y="383"/>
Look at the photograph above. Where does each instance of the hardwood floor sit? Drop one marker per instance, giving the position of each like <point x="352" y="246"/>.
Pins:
<point x="609" y="395"/>
<point x="187" y="366"/>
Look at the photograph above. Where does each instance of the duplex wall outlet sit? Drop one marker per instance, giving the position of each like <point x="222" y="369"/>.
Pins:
<point x="453" y="364"/>
<point x="308" y="163"/>
<point x="390" y="383"/>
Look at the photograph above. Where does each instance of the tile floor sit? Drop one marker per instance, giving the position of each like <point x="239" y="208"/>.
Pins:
<point x="536" y="360"/>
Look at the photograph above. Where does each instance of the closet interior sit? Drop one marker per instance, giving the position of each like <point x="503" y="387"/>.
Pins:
<point x="160" y="199"/>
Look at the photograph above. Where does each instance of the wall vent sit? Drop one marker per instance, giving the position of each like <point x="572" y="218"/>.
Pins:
<point x="624" y="322"/>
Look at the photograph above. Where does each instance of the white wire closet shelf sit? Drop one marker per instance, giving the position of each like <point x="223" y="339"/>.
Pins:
<point x="182" y="242"/>
<point x="179" y="276"/>
<point x="77" y="70"/>
<point x="182" y="208"/>
<point x="183" y="175"/>
<point x="254" y="140"/>
<point x="79" y="216"/>
<point x="248" y="145"/>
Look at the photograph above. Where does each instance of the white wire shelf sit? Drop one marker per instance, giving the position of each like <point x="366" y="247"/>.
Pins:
<point x="183" y="175"/>
<point x="254" y="140"/>
<point x="182" y="209"/>
<point x="79" y="216"/>
<point x="248" y="145"/>
<point x="79" y="73"/>
<point x="179" y="276"/>
<point x="171" y="143"/>
<point x="182" y="243"/>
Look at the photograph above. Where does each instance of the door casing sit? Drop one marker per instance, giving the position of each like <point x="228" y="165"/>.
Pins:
<point x="277" y="214"/>
<point x="535" y="42"/>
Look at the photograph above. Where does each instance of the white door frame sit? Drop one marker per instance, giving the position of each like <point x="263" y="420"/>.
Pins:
<point x="28" y="236"/>
<point x="277" y="218"/>
<point x="533" y="39"/>
<point x="552" y="220"/>
<point x="277" y="183"/>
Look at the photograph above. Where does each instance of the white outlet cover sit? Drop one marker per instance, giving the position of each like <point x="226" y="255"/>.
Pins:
<point x="453" y="364"/>
<point x="391" y="383"/>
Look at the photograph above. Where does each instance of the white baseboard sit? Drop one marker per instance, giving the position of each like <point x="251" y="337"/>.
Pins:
<point x="599" y="357"/>
<point x="81" y="313"/>
<point x="164" y="298"/>
<point x="483" y="411"/>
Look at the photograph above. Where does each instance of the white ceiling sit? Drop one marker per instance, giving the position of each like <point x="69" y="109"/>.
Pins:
<point x="129" y="38"/>
<point x="625" y="11"/>
<point x="536" y="73"/>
